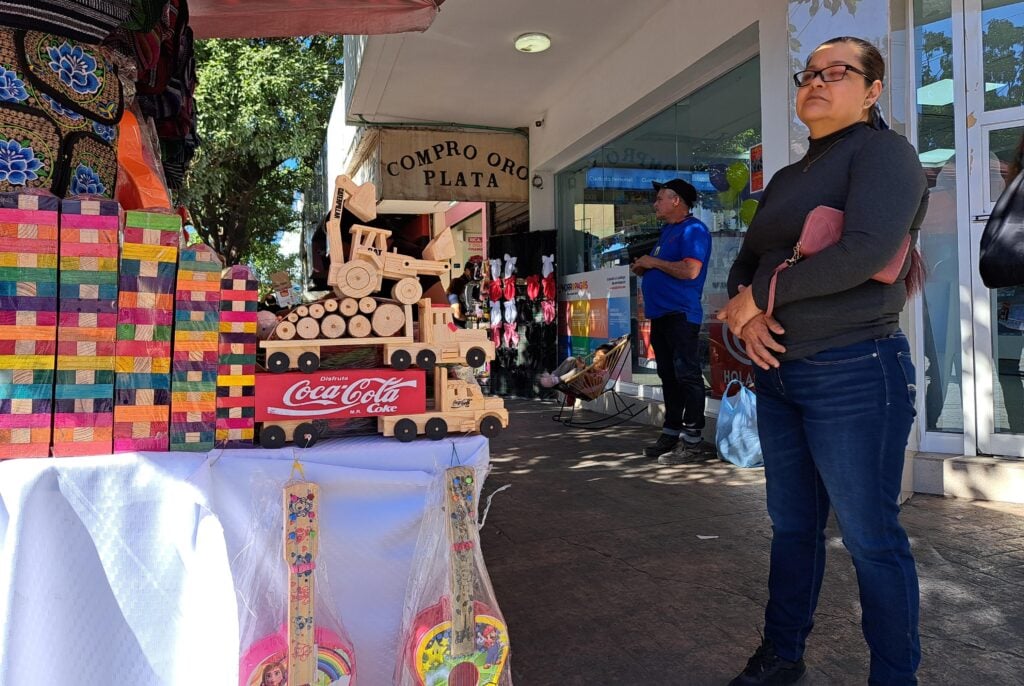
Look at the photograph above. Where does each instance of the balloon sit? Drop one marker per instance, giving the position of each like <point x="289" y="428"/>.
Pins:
<point x="728" y="198"/>
<point x="716" y="174"/>
<point x="737" y="174"/>
<point x="747" y="210"/>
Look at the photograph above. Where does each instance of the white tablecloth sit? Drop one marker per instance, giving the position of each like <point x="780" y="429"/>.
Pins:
<point x="118" y="569"/>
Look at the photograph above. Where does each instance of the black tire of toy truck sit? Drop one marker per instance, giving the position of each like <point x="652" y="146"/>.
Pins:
<point x="436" y="428"/>
<point x="309" y="362"/>
<point x="278" y="362"/>
<point x="405" y="430"/>
<point x="476" y="357"/>
<point x="426" y="359"/>
<point x="401" y="359"/>
<point x="305" y="435"/>
<point x="272" y="437"/>
<point x="490" y="426"/>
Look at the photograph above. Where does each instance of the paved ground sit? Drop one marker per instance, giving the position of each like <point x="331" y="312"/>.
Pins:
<point x="600" y="562"/>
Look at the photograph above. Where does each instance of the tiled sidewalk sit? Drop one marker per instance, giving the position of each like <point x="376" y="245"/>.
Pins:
<point x="606" y="570"/>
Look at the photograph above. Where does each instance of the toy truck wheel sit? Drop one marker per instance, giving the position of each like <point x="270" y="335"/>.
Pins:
<point x="355" y="280"/>
<point x="490" y="426"/>
<point x="400" y="359"/>
<point x="305" y="435"/>
<point x="426" y="359"/>
<point x="407" y="291"/>
<point x="476" y="357"/>
<point x="278" y="362"/>
<point x="436" y="428"/>
<point x="309" y="362"/>
<point x="272" y="437"/>
<point x="405" y="430"/>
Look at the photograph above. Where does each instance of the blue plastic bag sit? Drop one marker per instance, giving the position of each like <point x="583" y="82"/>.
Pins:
<point x="736" y="433"/>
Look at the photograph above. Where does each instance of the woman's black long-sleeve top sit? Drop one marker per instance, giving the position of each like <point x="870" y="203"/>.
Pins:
<point x="828" y="300"/>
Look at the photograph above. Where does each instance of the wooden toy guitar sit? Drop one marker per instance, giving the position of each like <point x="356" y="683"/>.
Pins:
<point x="459" y="641"/>
<point x="300" y="653"/>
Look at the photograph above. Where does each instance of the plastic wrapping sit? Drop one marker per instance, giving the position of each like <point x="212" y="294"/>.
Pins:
<point x="196" y="350"/>
<point x="83" y="418"/>
<point x="236" y="373"/>
<point x="282" y="586"/>
<point x="28" y="322"/>
<point x="149" y="255"/>
<point x="450" y="582"/>
<point x="141" y="181"/>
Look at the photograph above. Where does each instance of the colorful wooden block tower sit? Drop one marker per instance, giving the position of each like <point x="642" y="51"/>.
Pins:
<point x="236" y="377"/>
<point x="83" y="418"/>
<point x="196" y="350"/>
<point x="149" y="255"/>
<point x="28" y="322"/>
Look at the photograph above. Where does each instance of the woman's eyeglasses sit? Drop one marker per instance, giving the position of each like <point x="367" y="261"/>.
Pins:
<point x="834" y="72"/>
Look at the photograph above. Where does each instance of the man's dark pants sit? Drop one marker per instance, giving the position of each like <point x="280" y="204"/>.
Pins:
<point x="676" y="344"/>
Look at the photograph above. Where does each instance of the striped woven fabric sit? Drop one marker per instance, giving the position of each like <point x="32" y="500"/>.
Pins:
<point x="142" y="386"/>
<point x="83" y="420"/>
<point x="28" y="323"/>
<point x="236" y="374"/>
<point x="196" y="340"/>
<point x="85" y="20"/>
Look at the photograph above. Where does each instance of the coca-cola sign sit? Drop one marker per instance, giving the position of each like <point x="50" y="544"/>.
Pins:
<point x="339" y="394"/>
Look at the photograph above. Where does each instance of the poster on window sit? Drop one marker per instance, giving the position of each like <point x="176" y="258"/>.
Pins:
<point x="728" y="359"/>
<point x="593" y="308"/>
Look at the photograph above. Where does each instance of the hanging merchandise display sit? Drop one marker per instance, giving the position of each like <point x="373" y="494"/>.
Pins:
<point x="61" y="104"/>
<point x="522" y="311"/>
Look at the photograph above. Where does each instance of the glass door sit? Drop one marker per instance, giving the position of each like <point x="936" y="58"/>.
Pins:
<point x="994" y="37"/>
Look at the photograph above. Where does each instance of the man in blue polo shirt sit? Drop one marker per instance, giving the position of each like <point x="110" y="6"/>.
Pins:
<point x="673" y="280"/>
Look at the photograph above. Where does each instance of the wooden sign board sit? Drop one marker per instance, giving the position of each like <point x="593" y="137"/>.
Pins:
<point x="426" y="164"/>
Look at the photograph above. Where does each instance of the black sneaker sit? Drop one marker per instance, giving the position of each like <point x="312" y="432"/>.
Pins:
<point x="765" y="668"/>
<point x="664" y="444"/>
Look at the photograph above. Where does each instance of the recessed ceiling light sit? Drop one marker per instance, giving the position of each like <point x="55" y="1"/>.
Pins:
<point x="533" y="42"/>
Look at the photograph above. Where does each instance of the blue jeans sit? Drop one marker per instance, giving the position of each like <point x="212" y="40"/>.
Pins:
<point x="833" y="430"/>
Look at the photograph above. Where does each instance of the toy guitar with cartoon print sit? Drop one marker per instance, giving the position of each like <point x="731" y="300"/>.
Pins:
<point x="300" y="653"/>
<point x="459" y="641"/>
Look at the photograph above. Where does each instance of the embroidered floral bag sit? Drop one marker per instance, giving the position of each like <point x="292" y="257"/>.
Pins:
<point x="60" y="102"/>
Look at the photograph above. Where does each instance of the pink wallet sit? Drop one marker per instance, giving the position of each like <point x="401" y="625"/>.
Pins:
<point x="824" y="227"/>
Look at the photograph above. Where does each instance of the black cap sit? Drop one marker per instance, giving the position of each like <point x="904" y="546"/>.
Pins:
<point x="681" y="188"/>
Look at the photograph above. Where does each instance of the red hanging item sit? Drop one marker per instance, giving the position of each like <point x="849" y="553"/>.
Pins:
<point x="549" y="286"/>
<point x="494" y="290"/>
<point x="509" y="286"/>
<point x="533" y="286"/>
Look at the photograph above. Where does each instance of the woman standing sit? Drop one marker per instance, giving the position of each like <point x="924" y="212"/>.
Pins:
<point x="834" y="377"/>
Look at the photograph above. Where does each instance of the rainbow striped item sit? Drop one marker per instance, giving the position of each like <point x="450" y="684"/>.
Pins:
<point x="142" y="395"/>
<point x="236" y="375"/>
<point x="196" y="341"/>
<point x="83" y="420"/>
<point x="28" y="322"/>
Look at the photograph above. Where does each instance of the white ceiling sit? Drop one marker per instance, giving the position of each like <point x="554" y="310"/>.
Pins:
<point x="464" y="69"/>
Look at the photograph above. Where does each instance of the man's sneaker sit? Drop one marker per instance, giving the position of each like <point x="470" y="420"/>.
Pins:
<point x="683" y="453"/>
<point x="765" y="668"/>
<point x="664" y="444"/>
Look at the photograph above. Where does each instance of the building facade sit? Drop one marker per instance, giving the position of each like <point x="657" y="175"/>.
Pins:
<point x="634" y="92"/>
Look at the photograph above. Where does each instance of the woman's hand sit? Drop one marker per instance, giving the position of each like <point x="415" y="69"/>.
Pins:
<point x="760" y="343"/>
<point x="739" y="310"/>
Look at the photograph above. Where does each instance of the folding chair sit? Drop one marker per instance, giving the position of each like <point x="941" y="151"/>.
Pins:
<point x="590" y="383"/>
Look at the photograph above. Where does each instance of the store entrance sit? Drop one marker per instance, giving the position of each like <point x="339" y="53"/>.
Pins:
<point x="995" y="96"/>
<point x="968" y="139"/>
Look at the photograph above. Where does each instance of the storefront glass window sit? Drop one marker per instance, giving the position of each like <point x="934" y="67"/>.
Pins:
<point x="711" y="138"/>
<point x="933" y="49"/>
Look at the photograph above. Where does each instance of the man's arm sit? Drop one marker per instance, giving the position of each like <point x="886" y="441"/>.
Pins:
<point x="685" y="269"/>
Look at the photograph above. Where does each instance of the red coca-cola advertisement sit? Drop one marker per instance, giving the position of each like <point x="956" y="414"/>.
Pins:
<point x="728" y="360"/>
<point x="340" y="394"/>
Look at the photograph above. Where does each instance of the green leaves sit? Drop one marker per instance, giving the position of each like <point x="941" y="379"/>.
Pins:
<point x="261" y="102"/>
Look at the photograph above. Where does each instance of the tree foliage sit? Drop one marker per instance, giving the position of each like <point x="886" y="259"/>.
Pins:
<point x="263" y="108"/>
